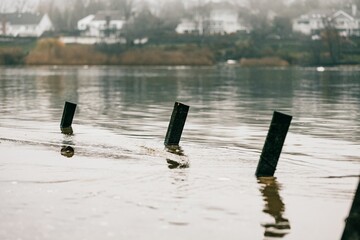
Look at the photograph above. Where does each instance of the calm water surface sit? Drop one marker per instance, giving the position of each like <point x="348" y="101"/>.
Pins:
<point x="118" y="184"/>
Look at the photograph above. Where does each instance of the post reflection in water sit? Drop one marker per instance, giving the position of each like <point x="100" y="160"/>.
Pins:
<point x="275" y="207"/>
<point x="177" y="159"/>
<point x="66" y="149"/>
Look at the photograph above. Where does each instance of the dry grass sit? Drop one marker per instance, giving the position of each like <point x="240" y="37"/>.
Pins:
<point x="263" y="62"/>
<point x="167" y="57"/>
<point x="53" y="52"/>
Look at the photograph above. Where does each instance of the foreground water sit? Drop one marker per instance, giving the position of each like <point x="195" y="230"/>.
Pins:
<point x="118" y="184"/>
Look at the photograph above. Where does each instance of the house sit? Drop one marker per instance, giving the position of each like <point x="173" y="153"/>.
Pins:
<point x="187" y="26"/>
<point x="102" y="27"/>
<point x="216" y="18"/>
<point x="223" y="18"/>
<point x="346" y="21"/>
<point x="102" y="24"/>
<point x="24" y="24"/>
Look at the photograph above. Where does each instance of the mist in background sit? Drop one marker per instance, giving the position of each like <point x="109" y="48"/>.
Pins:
<point x="65" y="13"/>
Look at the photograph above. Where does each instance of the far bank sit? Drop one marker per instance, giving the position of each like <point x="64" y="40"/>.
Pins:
<point x="208" y="51"/>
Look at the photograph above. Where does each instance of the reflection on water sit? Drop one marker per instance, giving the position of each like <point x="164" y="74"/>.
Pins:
<point x="122" y="116"/>
<point x="67" y="151"/>
<point x="181" y="162"/>
<point x="275" y="207"/>
<point x="113" y="96"/>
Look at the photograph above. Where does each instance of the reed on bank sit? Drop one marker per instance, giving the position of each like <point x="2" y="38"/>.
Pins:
<point x="54" y="52"/>
<point x="263" y="62"/>
<point x="11" y="56"/>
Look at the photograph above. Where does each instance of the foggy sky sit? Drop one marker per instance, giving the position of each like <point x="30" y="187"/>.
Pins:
<point x="31" y="5"/>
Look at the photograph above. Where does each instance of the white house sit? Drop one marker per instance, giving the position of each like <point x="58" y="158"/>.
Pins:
<point x="223" y="19"/>
<point x="220" y="18"/>
<point x="188" y="26"/>
<point x="347" y="21"/>
<point x="24" y="24"/>
<point x="102" y="24"/>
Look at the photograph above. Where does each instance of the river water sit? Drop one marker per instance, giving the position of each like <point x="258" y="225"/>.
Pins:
<point x="119" y="185"/>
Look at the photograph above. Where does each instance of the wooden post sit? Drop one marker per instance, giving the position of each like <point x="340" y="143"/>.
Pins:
<point x="176" y="124"/>
<point x="273" y="144"/>
<point x="352" y="227"/>
<point x="67" y="118"/>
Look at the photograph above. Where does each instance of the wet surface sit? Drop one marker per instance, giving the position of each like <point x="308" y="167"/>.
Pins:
<point x="113" y="178"/>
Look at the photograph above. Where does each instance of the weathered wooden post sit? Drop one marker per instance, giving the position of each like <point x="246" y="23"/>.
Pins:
<point x="352" y="226"/>
<point x="67" y="118"/>
<point x="273" y="144"/>
<point x="176" y="125"/>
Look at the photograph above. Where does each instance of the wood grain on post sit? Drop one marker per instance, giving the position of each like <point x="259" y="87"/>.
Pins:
<point x="352" y="227"/>
<point x="67" y="117"/>
<point x="273" y="144"/>
<point x="176" y="124"/>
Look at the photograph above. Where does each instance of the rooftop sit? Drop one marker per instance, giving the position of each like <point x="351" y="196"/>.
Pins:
<point x="112" y="15"/>
<point x="21" y="18"/>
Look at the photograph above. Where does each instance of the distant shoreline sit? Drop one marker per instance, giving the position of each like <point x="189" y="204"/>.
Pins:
<point x="51" y="51"/>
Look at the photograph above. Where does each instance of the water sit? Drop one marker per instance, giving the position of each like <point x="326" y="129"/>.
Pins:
<point x="119" y="185"/>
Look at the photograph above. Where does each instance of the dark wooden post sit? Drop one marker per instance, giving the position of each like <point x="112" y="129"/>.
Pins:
<point x="176" y="124"/>
<point x="352" y="227"/>
<point x="273" y="144"/>
<point x="67" y="118"/>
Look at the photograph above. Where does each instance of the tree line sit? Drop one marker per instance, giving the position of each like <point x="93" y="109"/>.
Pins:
<point x="270" y="22"/>
<point x="263" y="16"/>
<point x="258" y="14"/>
<point x="267" y="19"/>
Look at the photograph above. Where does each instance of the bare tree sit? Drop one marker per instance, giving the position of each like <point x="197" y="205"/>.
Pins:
<point x="4" y="6"/>
<point x="21" y="5"/>
<point x="332" y="39"/>
<point x="125" y="6"/>
<point x="171" y="12"/>
<point x="143" y="25"/>
<point x="18" y="5"/>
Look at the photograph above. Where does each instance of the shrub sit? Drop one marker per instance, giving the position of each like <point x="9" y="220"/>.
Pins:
<point x="52" y="51"/>
<point x="11" y="56"/>
<point x="263" y="62"/>
<point x="156" y="56"/>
